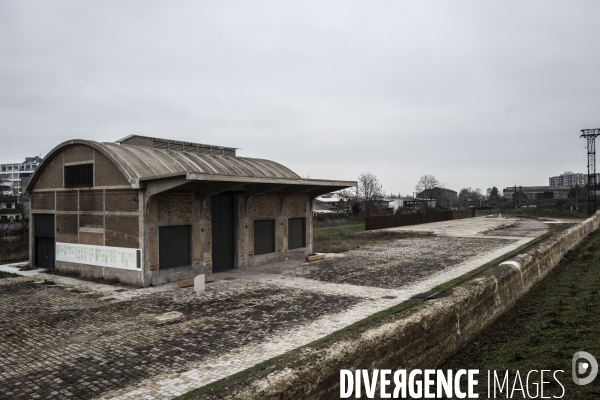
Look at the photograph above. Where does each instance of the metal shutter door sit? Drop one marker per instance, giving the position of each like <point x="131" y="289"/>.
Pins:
<point x="223" y="237"/>
<point x="173" y="246"/>
<point x="264" y="236"/>
<point x="296" y="233"/>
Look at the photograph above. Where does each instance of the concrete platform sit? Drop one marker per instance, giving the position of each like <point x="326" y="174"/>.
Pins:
<point x="79" y="339"/>
<point x="15" y="268"/>
<point x="468" y="227"/>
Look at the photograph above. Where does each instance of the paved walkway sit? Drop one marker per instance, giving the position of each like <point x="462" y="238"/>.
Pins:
<point x="78" y="339"/>
<point x="467" y="227"/>
<point x="15" y="268"/>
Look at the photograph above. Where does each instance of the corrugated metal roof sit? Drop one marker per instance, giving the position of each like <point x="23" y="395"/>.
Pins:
<point x="141" y="163"/>
<point x="144" y="163"/>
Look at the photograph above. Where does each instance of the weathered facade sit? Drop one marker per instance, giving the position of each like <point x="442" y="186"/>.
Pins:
<point x="148" y="211"/>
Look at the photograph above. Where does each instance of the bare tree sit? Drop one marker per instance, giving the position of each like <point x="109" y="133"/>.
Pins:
<point x="427" y="185"/>
<point x="348" y="198"/>
<point x="369" y="191"/>
<point x="469" y="196"/>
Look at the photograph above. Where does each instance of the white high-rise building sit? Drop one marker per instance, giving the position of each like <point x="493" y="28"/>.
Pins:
<point x="570" y="178"/>
<point x="18" y="174"/>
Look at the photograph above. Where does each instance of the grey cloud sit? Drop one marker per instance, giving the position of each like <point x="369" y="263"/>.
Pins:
<point x="476" y="93"/>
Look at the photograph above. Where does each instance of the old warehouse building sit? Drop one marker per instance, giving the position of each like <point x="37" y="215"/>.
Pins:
<point x="148" y="211"/>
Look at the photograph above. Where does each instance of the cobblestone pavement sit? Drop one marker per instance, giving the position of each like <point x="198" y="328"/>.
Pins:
<point x="80" y="340"/>
<point x="58" y="343"/>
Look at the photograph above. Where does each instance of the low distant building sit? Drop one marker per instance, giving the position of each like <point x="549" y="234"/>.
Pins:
<point x="438" y="193"/>
<point x="18" y="174"/>
<point x="410" y="204"/>
<point x="332" y="200"/>
<point x="442" y="196"/>
<point x="322" y="208"/>
<point x="537" y="192"/>
<point x="329" y="203"/>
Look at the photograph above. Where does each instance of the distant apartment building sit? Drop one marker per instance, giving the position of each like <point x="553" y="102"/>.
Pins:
<point x="9" y="211"/>
<point x="17" y="175"/>
<point x="537" y="192"/>
<point x="570" y="179"/>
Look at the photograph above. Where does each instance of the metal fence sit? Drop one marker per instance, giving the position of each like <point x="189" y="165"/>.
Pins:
<point x="393" y="221"/>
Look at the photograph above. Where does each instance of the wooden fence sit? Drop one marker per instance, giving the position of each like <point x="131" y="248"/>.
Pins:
<point x="393" y="221"/>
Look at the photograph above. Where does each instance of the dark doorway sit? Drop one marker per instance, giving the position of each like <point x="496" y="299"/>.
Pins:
<point x="222" y="232"/>
<point x="44" y="240"/>
<point x="174" y="248"/>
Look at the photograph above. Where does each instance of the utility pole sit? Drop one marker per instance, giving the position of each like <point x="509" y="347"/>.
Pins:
<point x="571" y="195"/>
<point x="590" y="135"/>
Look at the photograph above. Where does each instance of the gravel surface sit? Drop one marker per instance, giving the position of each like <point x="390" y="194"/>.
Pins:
<point x="523" y="228"/>
<point x="399" y="264"/>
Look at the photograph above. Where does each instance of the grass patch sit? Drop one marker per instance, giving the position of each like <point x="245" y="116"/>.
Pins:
<point x="339" y="239"/>
<point x="558" y="317"/>
<point x="4" y="275"/>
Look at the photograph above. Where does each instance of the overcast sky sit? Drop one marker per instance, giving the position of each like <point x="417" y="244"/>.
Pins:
<point x="477" y="93"/>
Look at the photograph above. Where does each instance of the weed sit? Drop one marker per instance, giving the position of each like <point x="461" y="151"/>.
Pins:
<point x="7" y="275"/>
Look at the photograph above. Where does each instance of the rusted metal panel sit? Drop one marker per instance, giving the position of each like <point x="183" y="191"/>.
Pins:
<point x="394" y="221"/>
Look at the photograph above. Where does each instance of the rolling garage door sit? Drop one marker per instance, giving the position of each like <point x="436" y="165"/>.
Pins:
<point x="296" y="233"/>
<point x="174" y="246"/>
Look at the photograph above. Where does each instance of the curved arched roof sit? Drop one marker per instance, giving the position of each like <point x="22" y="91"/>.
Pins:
<point x="144" y="163"/>
<point x="140" y="163"/>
